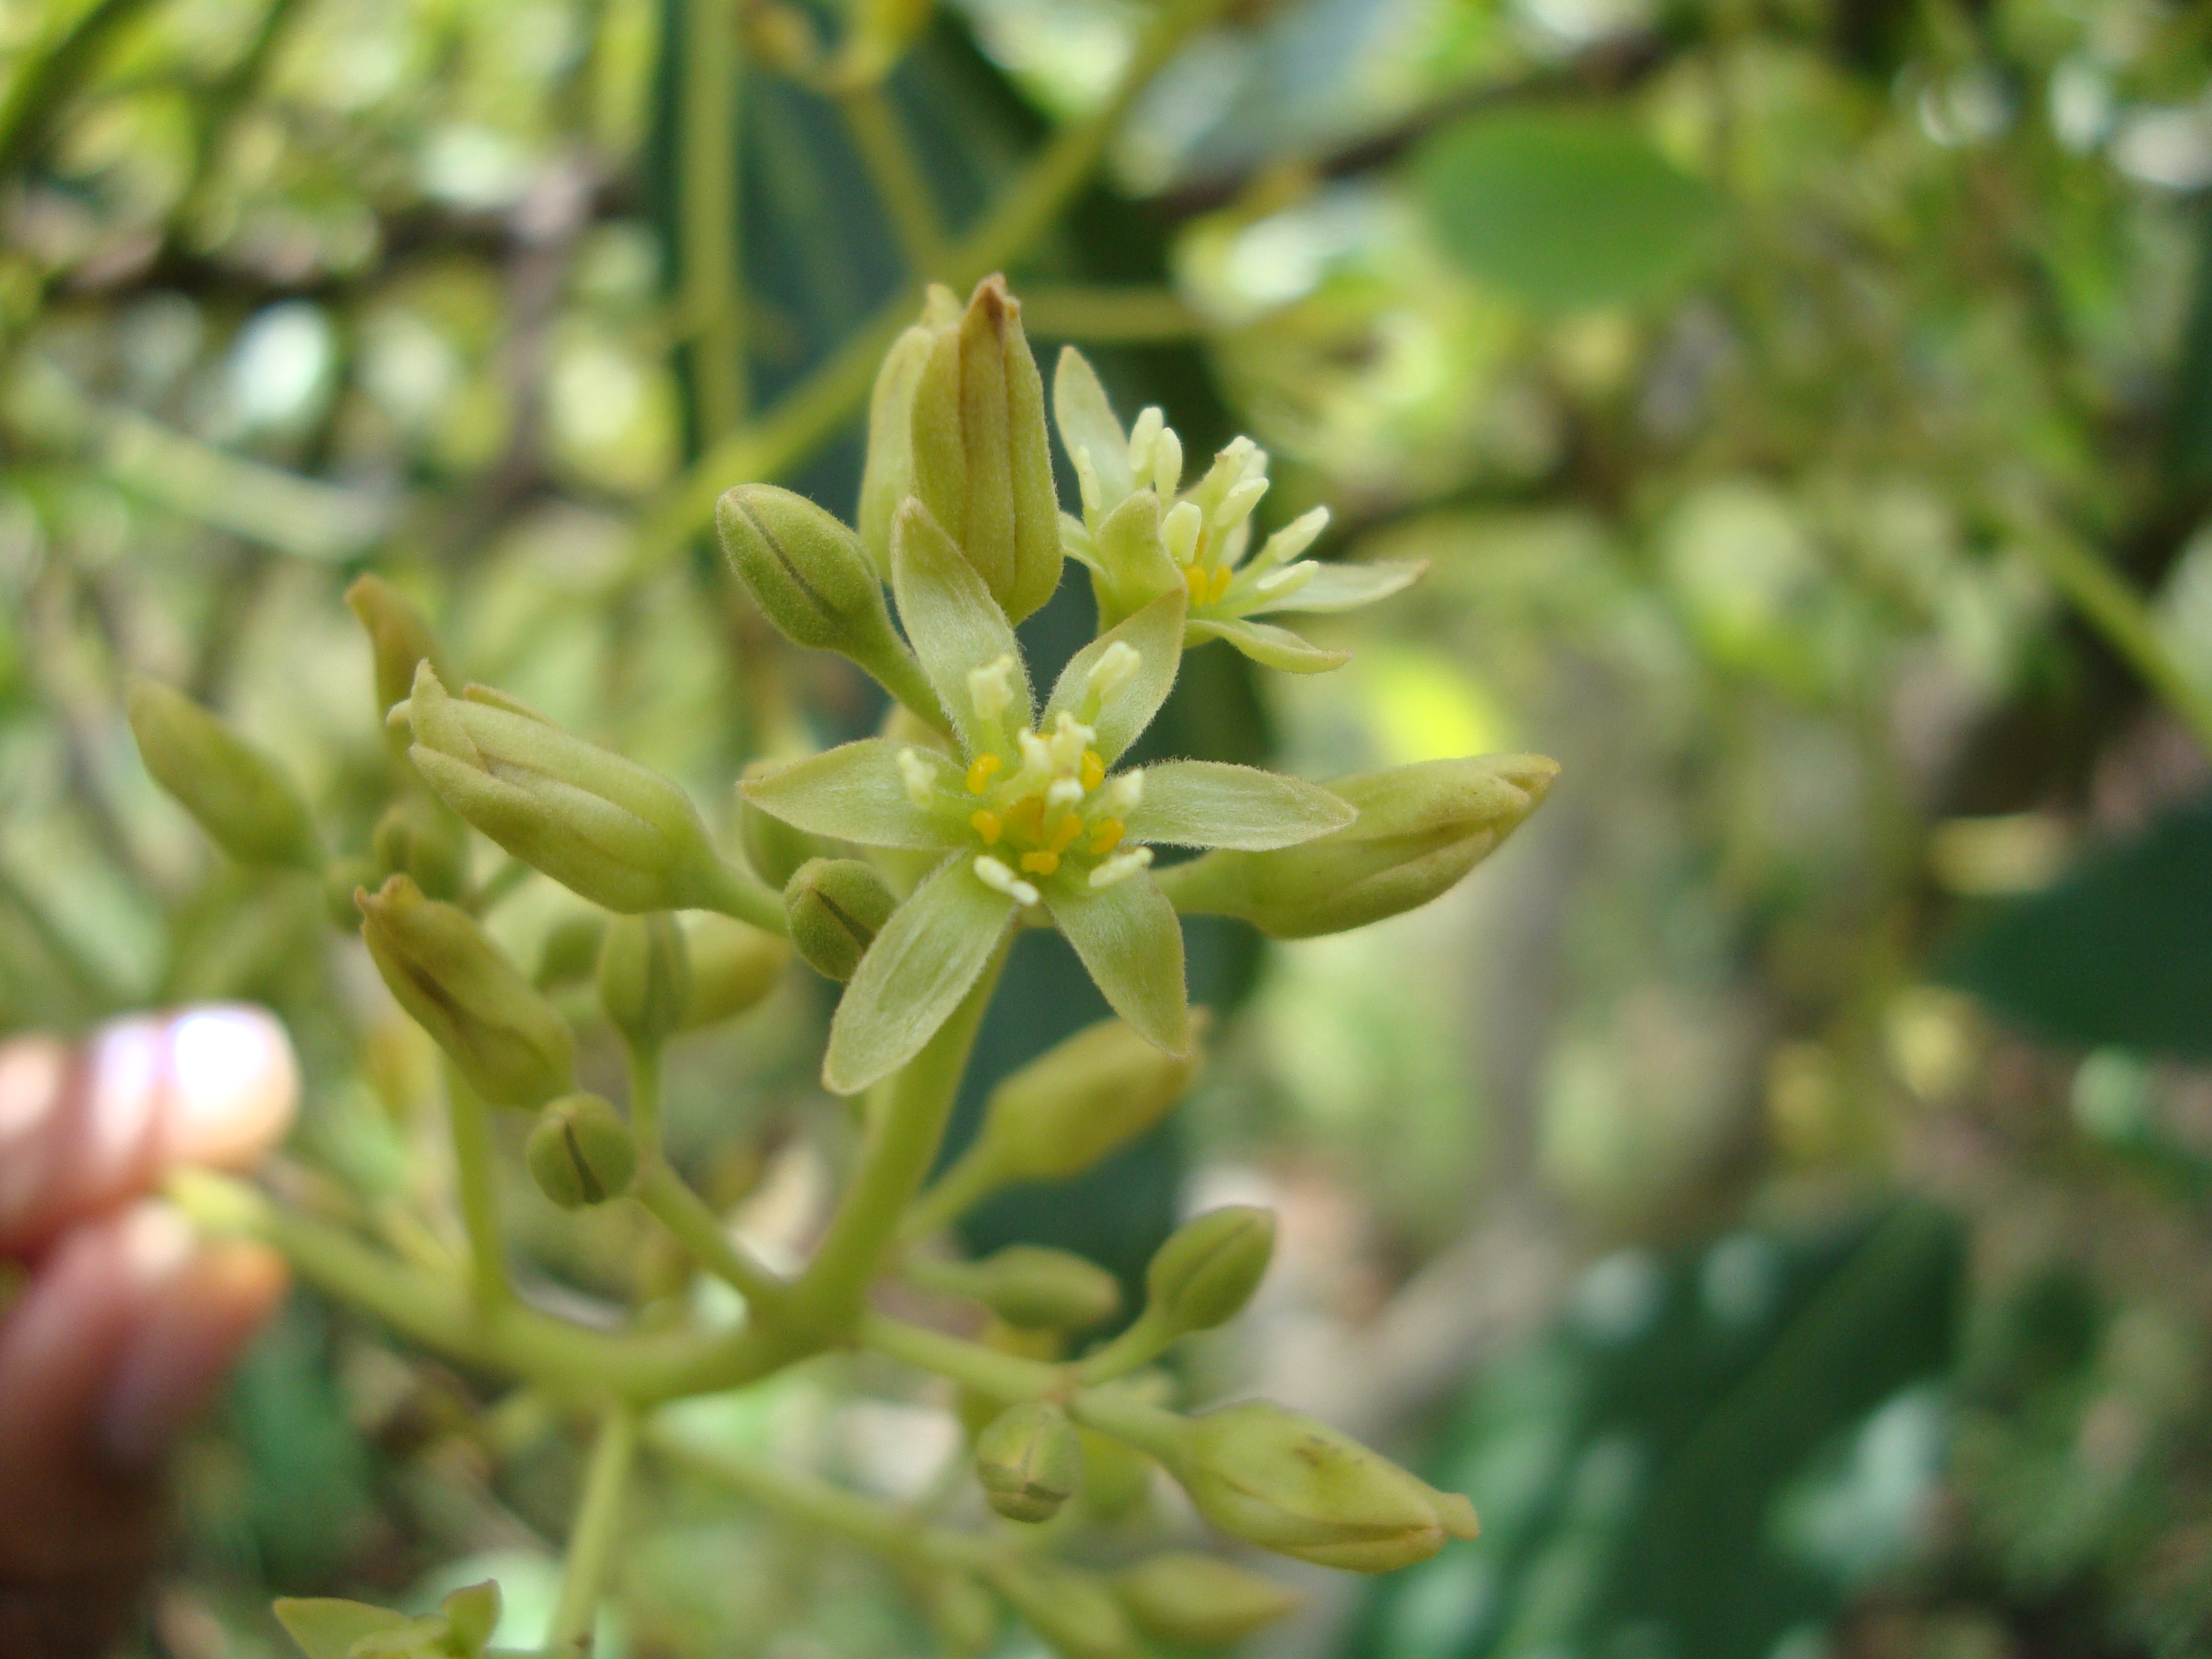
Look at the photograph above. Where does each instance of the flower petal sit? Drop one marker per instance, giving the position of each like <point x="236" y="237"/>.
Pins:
<point x="953" y="623"/>
<point x="1155" y="634"/>
<point x="1272" y="647"/>
<point x="854" y="792"/>
<point x="1210" y="804"/>
<point x="1346" y="587"/>
<point x="1129" y="938"/>
<point x="1086" y="422"/>
<point x="921" y="963"/>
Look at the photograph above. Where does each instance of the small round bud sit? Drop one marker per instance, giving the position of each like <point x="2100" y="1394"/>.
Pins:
<point x="1073" y="1610"/>
<point x="417" y="837"/>
<point x="1034" y="1288"/>
<point x="1198" y="1599"/>
<point x="1028" y="1461"/>
<point x="835" y="907"/>
<point x="570" y="954"/>
<point x="1209" y="1267"/>
<point x="733" y="967"/>
<point x="241" y="795"/>
<point x="399" y="638"/>
<point x="580" y="1152"/>
<point x="645" y="977"/>
<point x="1078" y="1101"/>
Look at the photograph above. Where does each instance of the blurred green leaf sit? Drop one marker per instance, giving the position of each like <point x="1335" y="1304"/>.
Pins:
<point x="1566" y="209"/>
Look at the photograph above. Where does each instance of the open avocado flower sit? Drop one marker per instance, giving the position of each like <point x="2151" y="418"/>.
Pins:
<point x="1032" y="818"/>
<point x="1141" y="533"/>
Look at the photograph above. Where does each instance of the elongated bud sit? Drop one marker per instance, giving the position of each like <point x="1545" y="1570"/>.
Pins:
<point x="1420" y="829"/>
<point x="1034" y="1288"/>
<point x="887" y="479"/>
<point x="645" y="977"/>
<point x="733" y="968"/>
<point x="1028" y="1461"/>
<point x="570" y="954"/>
<point x="835" y="907"/>
<point x="1200" y="1601"/>
<point x="399" y="638"/>
<point x="808" y="575"/>
<point x="1073" y="1610"/>
<point x="982" y="463"/>
<point x="772" y="847"/>
<point x="1207" y="1270"/>
<point x="418" y="838"/>
<point x="1282" y="1481"/>
<point x="580" y="1152"/>
<point x="511" y="1044"/>
<point x="603" y="827"/>
<point x="240" y="795"/>
<point x="1078" y="1101"/>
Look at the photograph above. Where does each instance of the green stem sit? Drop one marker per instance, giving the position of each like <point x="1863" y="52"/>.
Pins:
<point x="948" y="1197"/>
<point x="510" y="875"/>
<point x="1004" y="1376"/>
<point x="92" y="981"/>
<point x="901" y="1140"/>
<point x="1145" y="1341"/>
<point x="739" y="893"/>
<point x="712" y="291"/>
<point x="645" y="1102"/>
<point x="888" y="154"/>
<point x="699" y="1231"/>
<point x="475" y="1182"/>
<point x="593" y="1539"/>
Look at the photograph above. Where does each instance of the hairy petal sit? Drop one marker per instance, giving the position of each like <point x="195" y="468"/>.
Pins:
<point x="952" y="622"/>
<point x="1129" y="938"/>
<point x="1271" y="646"/>
<point x="854" y="792"/>
<point x="1155" y="634"/>
<point x="1086" y="422"/>
<point x="1213" y="804"/>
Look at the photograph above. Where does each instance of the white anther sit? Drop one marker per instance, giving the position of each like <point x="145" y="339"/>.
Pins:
<point x="1070" y="737"/>
<point x="991" y="688"/>
<point x="1281" y="584"/>
<point x="1181" y="529"/>
<point x="1086" y="483"/>
<point x="1143" y="435"/>
<point x="1036" y="753"/>
<point x="918" y="774"/>
<point x="1167" y="464"/>
<point x="1256" y="458"/>
<point x="1000" y="879"/>
<point x="1122" y="793"/>
<point x="1116" y="667"/>
<point x="1120" y="867"/>
<point x="1294" y="538"/>
<point x="1240" y="500"/>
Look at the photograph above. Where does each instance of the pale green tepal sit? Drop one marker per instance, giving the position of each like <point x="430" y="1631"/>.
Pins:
<point x="1027" y="812"/>
<point x="1143" y="534"/>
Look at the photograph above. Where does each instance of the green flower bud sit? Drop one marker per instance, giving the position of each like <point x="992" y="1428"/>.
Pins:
<point x="420" y="839"/>
<point x="603" y="827"/>
<point x="241" y="795"/>
<point x="571" y="951"/>
<point x="1117" y="1478"/>
<point x="645" y="977"/>
<point x="1209" y="1267"/>
<point x="835" y="907"/>
<point x="1078" y="1101"/>
<point x="772" y="847"/>
<point x="1200" y="1600"/>
<point x="509" y="1041"/>
<point x="1073" y="1610"/>
<point x="1034" y="1288"/>
<point x="1420" y="829"/>
<point x="1028" y="1461"/>
<point x="809" y="576"/>
<point x="887" y="479"/>
<point x="983" y="464"/>
<point x="1283" y="1482"/>
<point x="580" y="1152"/>
<point x="733" y="967"/>
<point x="399" y="638"/>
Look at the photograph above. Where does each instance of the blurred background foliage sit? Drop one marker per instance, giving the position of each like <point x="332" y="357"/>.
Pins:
<point x="1776" y="1188"/>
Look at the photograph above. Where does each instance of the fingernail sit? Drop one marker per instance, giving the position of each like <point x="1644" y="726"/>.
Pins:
<point x="119" y="1102"/>
<point x="233" y="1083"/>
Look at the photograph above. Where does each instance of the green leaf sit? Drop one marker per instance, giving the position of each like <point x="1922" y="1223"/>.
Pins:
<point x="326" y="1627"/>
<point x="2118" y="953"/>
<point x="1212" y="804"/>
<point x="1131" y="941"/>
<point x="1565" y="208"/>
<point x="1347" y="586"/>
<point x="914" y="975"/>
<point x="1271" y="646"/>
<point x="1155" y="634"/>
<point x="854" y="792"/>
<point x="953" y="623"/>
<point x="1086" y="422"/>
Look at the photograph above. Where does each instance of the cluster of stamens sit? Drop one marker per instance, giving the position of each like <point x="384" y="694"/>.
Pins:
<point x="1057" y="802"/>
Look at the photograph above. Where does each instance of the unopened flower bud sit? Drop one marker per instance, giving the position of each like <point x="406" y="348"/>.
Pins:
<point x="1078" y="1101"/>
<point x="1073" y="1610"/>
<point x="1117" y="1478"/>
<point x="1207" y="1270"/>
<point x="580" y="1152"/>
<point x="509" y="1043"/>
<point x="1289" y="1484"/>
<point x="418" y="838"/>
<point x="733" y="967"/>
<point x="1420" y="829"/>
<point x="983" y="464"/>
<point x="887" y="478"/>
<point x="1200" y="1601"/>
<point x="645" y="977"/>
<point x="240" y="795"/>
<point x="1035" y="1288"/>
<point x="603" y="827"/>
<point x="399" y="638"/>
<point x="773" y="848"/>
<point x="1028" y="1461"/>
<point x="571" y="951"/>
<point x="835" y="907"/>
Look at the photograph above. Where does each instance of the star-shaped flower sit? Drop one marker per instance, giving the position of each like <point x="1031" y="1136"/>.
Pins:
<point x="1032" y="818"/>
<point x="1141" y="533"/>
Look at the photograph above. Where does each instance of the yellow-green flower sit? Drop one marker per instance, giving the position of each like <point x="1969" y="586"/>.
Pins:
<point x="1142" y="534"/>
<point x="1028" y="812"/>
